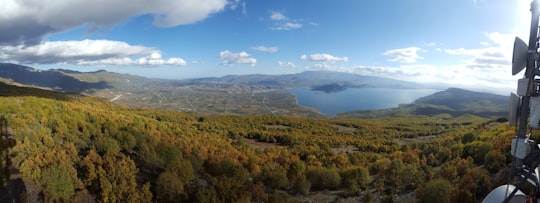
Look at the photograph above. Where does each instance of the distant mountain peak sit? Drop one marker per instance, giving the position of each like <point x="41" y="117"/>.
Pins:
<point x="100" y="71"/>
<point x="66" y="71"/>
<point x="458" y="90"/>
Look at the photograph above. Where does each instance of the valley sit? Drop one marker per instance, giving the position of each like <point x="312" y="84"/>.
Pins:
<point x="210" y="99"/>
<point x="166" y="156"/>
<point x="170" y="141"/>
<point x="257" y="94"/>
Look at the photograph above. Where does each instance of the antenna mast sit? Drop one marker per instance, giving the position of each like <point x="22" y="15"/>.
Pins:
<point x="526" y="105"/>
<point x="530" y="72"/>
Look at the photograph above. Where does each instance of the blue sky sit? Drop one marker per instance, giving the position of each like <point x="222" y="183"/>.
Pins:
<point x="466" y="43"/>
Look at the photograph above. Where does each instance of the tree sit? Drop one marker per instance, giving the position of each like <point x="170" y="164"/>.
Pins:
<point x="437" y="190"/>
<point x="107" y="145"/>
<point x="410" y="177"/>
<point x="112" y="178"/>
<point x="57" y="181"/>
<point x="302" y="186"/>
<point x="169" y="187"/>
<point x="228" y="179"/>
<point x="323" y="178"/>
<point x="494" y="160"/>
<point x="54" y="170"/>
<point x="474" y="186"/>
<point x="206" y="195"/>
<point x="296" y="170"/>
<point x="355" y="178"/>
<point x="275" y="177"/>
<point x="469" y="137"/>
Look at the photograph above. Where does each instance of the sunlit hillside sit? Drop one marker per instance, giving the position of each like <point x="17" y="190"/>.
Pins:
<point x="83" y="149"/>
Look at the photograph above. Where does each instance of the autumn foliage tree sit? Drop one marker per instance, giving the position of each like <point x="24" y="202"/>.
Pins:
<point x="73" y="143"/>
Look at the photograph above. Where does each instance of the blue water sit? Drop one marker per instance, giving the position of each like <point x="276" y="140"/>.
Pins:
<point x="358" y="98"/>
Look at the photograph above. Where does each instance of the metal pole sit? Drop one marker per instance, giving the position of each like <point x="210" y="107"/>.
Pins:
<point x="530" y="71"/>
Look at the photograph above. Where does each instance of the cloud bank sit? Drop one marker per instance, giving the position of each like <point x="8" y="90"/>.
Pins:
<point x="286" y="64"/>
<point x="265" y="49"/>
<point x="486" y="67"/>
<point x="324" y="58"/>
<point x="405" y="55"/>
<point x="86" y="52"/>
<point x="229" y="58"/>
<point x="282" y="22"/>
<point x="27" y="22"/>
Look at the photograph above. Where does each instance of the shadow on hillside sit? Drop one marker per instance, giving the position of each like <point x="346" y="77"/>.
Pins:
<point x="15" y="192"/>
<point x="13" y="187"/>
<point x="16" y="91"/>
<point x="55" y="80"/>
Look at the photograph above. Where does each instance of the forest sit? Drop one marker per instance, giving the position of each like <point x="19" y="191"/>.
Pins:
<point x="77" y="148"/>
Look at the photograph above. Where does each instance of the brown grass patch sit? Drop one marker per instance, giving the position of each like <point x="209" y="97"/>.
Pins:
<point x="344" y="149"/>
<point x="344" y="129"/>
<point x="414" y="140"/>
<point x="282" y="127"/>
<point x="256" y="144"/>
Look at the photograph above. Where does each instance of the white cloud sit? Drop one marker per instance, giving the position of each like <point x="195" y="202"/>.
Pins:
<point x="287" y="26"/>
<point x="485" y="67"/>
<point x="234" y="4"/>
<point x="494" y="55"/>
<point x="502" y="46"/>
<point x="485" y="43"/>
<point x="405" y="55"/>
<point x="265" y="49"/>
<point x="431" y="44"/>
<point x="228" y="58"/>
<point x="446" y="76"/>
<point x="244" y="9"/>
<point x="324" y="58"/>
<point x="86" y="52"/>
<point x="495" y="80"/>
<point x="26" y="22"/>
<point x="148" y="60"/>
<point x="286" y="63"/>
<point x="282" y="22"/>
<point x="276" y="15"/>
<point x="322" y="66"/>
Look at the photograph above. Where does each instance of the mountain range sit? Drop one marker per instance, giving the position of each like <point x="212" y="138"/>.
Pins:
<point x="247" y="94"/>
<point x="311" y="79"/>
<point x="52" y="79"/>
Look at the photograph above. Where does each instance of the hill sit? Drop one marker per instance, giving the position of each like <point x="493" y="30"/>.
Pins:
<point x="453" y="102"/>
<point x="76" y="148"/>
<point x="50" y="79"/>
<point x="467" y="101"/>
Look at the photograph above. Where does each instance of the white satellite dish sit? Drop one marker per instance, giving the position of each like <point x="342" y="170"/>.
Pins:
<point x="500" y="193"/>
<point x="514" y="109"/>
<point x="519" y="57"/>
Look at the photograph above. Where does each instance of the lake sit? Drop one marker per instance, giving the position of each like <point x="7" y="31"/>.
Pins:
<point x="353" y="99"/>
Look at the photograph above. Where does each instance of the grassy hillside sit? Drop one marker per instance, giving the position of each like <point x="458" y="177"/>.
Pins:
<point x="466" y="101"/>
<point x="79" y="148"/>
<point x="453" y="101"/>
